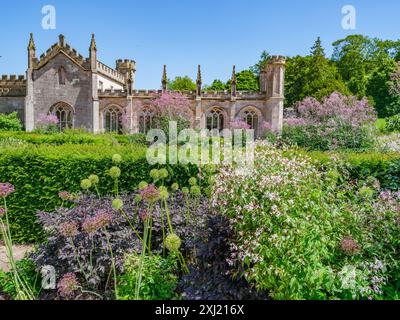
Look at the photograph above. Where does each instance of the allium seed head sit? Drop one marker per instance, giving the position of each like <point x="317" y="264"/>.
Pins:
<point x="117" y="204"/>
<point x="6" y="189"/>
<point x="116" y="158"/>
<point x="163" y="173"/>
<point x="150" y="194"/>
<point x="2" y="212"/>
<point x="101" y="220"/>
<point x="173" y="242"/>
<point x="115" y="172"/>
<point x="68" y="229"/>
<point x="143" y="185"/>
<point x="349" y="246"/>
<point x="68" y="286"/>
<point x="94" y="179"/>
<point x="192" y="181"/>
<point x="185" y="190"/>
<point x="86" y="184"/>
<point x="175" y="187"/>
<point x="195" y="191"/>
<point x="155" y="174"/>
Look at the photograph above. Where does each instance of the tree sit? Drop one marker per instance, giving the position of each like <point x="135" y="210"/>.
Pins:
<point x="246" y="80"/>
<point x="383" y="88"/>
<point x="260" y="65"/>
<point x="217" y="85"/>
<point x="312" y="76"/>
<point x="182" y="84"/>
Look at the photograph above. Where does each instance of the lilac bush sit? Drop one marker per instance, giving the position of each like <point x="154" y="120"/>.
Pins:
<point x="336" y="122"/>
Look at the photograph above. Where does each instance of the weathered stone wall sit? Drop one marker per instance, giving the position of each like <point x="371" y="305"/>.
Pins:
<point x="10" y="104"/>
<point x="76" y="91"/>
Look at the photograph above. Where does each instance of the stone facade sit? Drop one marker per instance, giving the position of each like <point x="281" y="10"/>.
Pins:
<point x="85" y="93"/>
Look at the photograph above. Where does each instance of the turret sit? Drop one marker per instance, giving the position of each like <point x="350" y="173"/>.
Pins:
<point x="127" y="68"/>
<point x="233" y="82"/>
<point x="198" y="82"/>
<point x="93" y="53"/>
<point x="31" y="51"/>
<point x="164" y="79"/>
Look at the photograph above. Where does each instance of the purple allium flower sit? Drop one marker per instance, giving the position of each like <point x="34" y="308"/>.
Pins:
<point x="150" y="194"/>
<point x="143" y="214"/>
<point x="68" y="286"/>
<point x="100" y="220"/>
<point x="2" y="212"/>
<point x="6" y="189"/>
<point x="68" y="229"/>
<point x="65" y="195"/>
<point x="349" y="246"/>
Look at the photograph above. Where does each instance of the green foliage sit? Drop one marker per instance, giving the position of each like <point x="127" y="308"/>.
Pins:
<point x="312" y="76"/>
<point x="305" y="234"/>
<point x="10" y="122"/>
<point x="393" y="123"/>
<point x="217" y="85"/>
<point x="40" y="172"/>
<point x="182" y="84"/>
<point x="26" y="270"/>
<point x="246" y="80"/>
<point x="380" y="89"/>
<point x="72" y="137"/>
<point x="320" y="137"/>
<point x="159" y="279"/>
<point x="261" y="64"/>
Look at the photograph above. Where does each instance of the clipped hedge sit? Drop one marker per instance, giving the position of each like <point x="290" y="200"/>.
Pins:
<point x="39" y="173"/>
<point x="73" y="138"/>
<point x="383" y="166"/>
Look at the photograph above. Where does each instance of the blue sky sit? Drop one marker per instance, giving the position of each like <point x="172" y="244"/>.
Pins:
<point x="183" y="34"/>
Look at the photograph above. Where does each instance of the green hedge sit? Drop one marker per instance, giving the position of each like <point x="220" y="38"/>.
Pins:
<point x="40" y="172"/>
<point x="72" y="138"/>
<point x="383" y="166"/>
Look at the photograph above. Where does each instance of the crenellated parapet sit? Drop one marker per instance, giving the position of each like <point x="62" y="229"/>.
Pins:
<point x="61" y="46"/>
<point x="109" y="72"/>
<point x="12" y="86"/>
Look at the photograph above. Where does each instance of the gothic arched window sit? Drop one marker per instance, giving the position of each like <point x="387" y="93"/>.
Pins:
<point x="65" y="115"/>
<point x="251" y="118"/>
<point x="61" y="75"/>
<point x="215" y="119"/>
<point x="146" y="120"/>
<point x="112" y="119"/>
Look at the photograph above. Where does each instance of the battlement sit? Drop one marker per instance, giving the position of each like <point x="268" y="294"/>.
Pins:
<point x="110" y="72"/>
<point x="125" y="64"/>
<point x="12" y="86"/>
<point x="61" y="45"/>
<point x="278" y="60"/>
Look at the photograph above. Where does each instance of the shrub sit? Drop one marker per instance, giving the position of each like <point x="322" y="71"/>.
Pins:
<point x="90" y="238"/>
<point x="209" y="277"/>
<point x="10" y="122"/>
<point x="26" y="270"/>
<point x="301" y="234"/>
<point x="338" y="122"/>
<point x="393" y="123"/>
<point x="73" y="137"/>
<point x="159" y="279"/>
<point x="39" y="173"/>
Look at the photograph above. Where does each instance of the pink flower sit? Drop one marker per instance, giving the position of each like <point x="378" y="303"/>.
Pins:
<point x="68" y="286"/>
<point x="150" y="193"/>
<point x="2" y="212"/>
<point x="64" y="195"/>
<point x="6" y="189"/>
<point x="47" y="120"/>
<point x="99" y="221"/>
<point x="68" y="229"/>
<point x="349" y="246"/>
<point x="239" y="124"/>
<point x="173" y="104"/>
